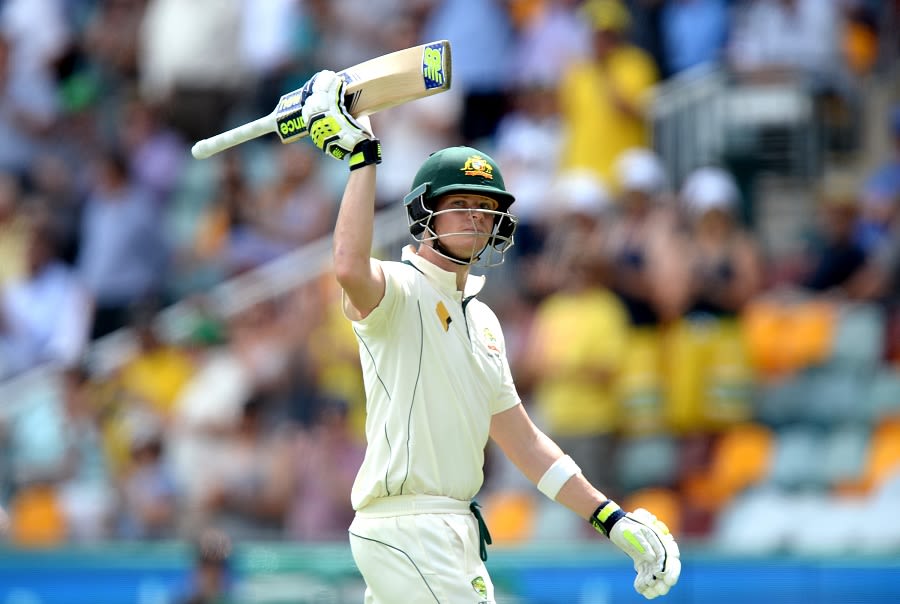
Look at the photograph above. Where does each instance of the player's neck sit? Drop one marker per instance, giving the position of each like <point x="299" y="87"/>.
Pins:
<point x="461" y="270"/>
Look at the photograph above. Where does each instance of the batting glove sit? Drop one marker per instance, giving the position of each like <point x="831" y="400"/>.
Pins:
<point x="331" y="127"/>
<point x="647" y="541"/>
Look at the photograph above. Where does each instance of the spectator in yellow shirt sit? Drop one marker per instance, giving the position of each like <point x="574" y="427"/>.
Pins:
<point x="603" y="99"/>
<point x="159" y="371"/>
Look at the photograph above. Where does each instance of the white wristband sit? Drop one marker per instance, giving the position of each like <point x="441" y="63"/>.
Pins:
<point x="556" y="476"/>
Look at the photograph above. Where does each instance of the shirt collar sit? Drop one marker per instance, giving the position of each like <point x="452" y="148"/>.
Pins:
<point x="445" y="280"/>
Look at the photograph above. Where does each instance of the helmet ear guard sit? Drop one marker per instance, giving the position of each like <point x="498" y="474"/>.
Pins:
<point x="504" y="230"/>
<point x="418" y="214"/>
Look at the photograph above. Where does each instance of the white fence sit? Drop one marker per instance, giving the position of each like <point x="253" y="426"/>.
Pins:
<point x="704" y="116"/>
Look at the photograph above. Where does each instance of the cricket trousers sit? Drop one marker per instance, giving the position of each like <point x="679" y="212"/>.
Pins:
<point x="419" y="549"/>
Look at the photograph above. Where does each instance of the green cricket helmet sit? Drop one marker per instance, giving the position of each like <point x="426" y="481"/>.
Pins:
<point x="460" y="170"/>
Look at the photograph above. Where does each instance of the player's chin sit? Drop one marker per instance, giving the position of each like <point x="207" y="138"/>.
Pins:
<point x="467" y="244"/>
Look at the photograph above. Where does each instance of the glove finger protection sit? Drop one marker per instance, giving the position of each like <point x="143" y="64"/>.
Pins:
<point x="647" y="541"/>
<point x="331" y="127"/>
<point x="658" y="575"/>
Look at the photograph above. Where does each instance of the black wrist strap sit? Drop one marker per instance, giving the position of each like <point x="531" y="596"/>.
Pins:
<point x="366" y="153"/>
<point x="606" y="516"/>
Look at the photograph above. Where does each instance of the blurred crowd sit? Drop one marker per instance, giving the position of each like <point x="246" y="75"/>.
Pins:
<point x="651" y="331"/>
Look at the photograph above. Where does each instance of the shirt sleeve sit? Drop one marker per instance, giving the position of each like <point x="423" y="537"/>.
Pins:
<point x="507" y="396"/>
<point x="398" y="289"/>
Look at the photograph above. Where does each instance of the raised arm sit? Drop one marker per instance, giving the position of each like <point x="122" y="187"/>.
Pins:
<point x="339" y="135"/>
<point x="358" y="273"/>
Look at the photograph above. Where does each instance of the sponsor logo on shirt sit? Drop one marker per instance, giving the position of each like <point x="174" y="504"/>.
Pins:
<point x="444" y="315"/>
<point x="490" y="340"/>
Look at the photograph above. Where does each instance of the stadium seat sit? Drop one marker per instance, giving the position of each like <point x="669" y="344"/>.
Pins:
<point x="748" y="526"/>
<point x="882" y="460"/>
<point x="510" y="515"/>
<point x="664" y="503"/>
<point x="835" y="394"/>
<point x="741" y="458"/>
<point x="765" y="521"/>
<point x="36" y="517"/>
<point x="784" y="337"/>
<point x="646" y="461"/>
<point x="881" y="533"/>
<point x="858" y="343"/>
<point x="795" y="459"/>
<point x="694" y="454"/>
<point x="555" y="523"/>
<point x="884" y="393"/>
<point x="884" y="454"/>
<point x="892" y="346"/>
<point x="842" y="456"/>
<point x="781" y="402"/>
<point x="813" y="529"/>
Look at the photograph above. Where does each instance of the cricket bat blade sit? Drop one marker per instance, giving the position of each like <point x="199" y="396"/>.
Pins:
<point x="371" y="86"/>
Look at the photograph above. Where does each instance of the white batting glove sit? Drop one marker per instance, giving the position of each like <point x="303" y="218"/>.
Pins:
<point x="648" y="542"/>
<point x="331" y="127"/>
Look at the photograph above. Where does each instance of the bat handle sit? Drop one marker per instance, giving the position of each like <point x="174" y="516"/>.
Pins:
<point x="235" y="136"/>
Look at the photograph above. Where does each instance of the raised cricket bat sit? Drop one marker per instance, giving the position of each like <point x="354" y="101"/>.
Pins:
<point x="376" y="84"/>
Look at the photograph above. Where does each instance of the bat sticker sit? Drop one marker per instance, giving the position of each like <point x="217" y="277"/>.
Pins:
<point x="289" y="103"/>
<point x="433" y="65"/>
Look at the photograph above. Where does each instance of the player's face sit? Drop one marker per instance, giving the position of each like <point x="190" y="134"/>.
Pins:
<point x="464" y="222"/>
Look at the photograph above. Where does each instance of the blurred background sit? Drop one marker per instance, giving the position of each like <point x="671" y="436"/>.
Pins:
<point x="702" y="305"/>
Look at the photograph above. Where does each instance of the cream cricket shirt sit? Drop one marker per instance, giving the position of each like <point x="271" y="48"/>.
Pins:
<point x="435" y="370"/>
